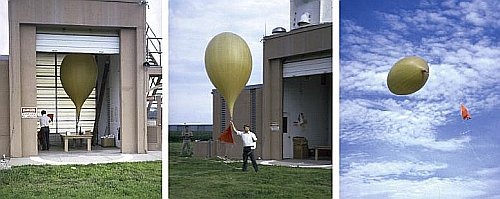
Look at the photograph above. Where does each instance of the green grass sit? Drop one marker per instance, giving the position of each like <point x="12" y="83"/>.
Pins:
<point x="191" y="177"/>
<point x="115" y="180"/>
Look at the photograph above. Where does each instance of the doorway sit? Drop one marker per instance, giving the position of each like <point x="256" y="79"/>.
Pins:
<point x="307" y="103"/>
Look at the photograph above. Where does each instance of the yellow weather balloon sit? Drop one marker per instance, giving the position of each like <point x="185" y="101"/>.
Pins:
<point x="408" y="75"/>
<point x="228" y="63"/>
<point x="78" y="77"/>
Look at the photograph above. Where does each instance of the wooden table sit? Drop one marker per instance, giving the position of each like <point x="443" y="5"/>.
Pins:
<point x="75" y="136"/>
<point x="328" y="148"/>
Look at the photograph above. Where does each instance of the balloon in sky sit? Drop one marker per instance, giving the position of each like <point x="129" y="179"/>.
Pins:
<point x="408" y="75"/>
<point x="78" y="77"/>
<point x="228" y="63"/>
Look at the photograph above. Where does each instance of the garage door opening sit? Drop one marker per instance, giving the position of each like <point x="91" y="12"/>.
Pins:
<point x="307" y="108"/>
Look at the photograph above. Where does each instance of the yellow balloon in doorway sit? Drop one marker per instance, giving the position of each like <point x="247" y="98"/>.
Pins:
<point x="78" y="77"/>
<point x="228" y="63"/>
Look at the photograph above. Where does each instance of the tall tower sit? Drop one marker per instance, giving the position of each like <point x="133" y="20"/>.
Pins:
<point x="309" y="12"/>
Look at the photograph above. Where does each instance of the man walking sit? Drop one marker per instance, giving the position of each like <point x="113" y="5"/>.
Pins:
<point x="44" y="130"/>
<point x="249" y="144"/>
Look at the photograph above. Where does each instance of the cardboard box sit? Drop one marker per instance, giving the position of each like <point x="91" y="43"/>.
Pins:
<point x="108" y="142"/>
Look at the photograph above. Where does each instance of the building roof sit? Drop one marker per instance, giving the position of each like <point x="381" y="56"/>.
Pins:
<point x="299" y="30"/>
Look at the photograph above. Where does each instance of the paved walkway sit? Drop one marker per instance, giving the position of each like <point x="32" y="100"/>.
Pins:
<point x="98" y="155"/>
<point x="299" y="163"/>
<point x="302" y="163"/>
<point x="81" y="156"/>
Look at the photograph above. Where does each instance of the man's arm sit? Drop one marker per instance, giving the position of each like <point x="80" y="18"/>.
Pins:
<point x="254" y="137"/>
<point x="232" y="126"/>
<point x="234" y="129"/>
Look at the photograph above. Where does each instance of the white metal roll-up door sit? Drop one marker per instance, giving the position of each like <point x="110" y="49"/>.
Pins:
<point x="308" y="67"/>
<point x="67" y="43"/>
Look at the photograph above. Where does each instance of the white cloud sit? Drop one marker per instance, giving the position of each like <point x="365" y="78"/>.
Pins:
<point x="4" y="28"/>
<point x="402" y="179"/>
<point x="463" y="69"/>
<point x="402" y="124"/>
<point x="376" y="125"/>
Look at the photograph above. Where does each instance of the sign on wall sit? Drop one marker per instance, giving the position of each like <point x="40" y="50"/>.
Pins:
<point x="28" y="113"/>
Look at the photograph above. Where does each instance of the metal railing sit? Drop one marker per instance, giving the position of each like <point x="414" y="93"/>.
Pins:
<point x="153" y="48"/>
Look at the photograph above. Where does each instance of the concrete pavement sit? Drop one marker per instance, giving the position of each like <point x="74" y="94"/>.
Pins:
<point x="98" y="155"/>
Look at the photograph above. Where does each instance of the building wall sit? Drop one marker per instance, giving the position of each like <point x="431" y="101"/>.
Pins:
<point x="303" y="43"/>
<point x="320" y="11"/>
<point x="311" y="96"/>
<point x="247" y="110"/>
<point x="125" y="16"/>
<point x="4" y="102"/>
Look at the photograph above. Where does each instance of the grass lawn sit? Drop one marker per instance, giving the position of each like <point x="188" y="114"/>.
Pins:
<point x="191" y="177"/>
<point x="115" y="180"/>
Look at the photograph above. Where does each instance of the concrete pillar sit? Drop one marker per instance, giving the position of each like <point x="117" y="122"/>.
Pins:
<point x="15" y="90"/>
<point x="133" y="95"/>
<point x="28" y="88"/>
<point x="22" y="79"/>
<point x="272" y="141"/>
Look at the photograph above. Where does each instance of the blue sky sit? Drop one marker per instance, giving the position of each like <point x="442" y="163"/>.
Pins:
<point x="192" y="24"/>
<point x="417" y="146"/>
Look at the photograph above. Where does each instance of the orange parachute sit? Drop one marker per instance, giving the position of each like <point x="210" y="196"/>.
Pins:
<point x="227" y="135"/>
<point x="465" y="112"/>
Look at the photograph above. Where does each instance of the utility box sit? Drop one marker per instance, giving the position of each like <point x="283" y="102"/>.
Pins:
<point x="108" y="142"/>
<point x="300" y="148"/>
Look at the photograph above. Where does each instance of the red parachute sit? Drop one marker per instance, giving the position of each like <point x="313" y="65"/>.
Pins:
<point x="227" y="135"/>
<point x="465" y="113"/>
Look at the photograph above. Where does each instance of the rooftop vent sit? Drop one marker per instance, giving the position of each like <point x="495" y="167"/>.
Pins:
<point x="305" y="19"/>
<point x="278" y="30"/>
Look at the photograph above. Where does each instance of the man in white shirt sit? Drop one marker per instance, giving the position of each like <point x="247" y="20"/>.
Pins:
<point x="249" y="144"/>
<point x="44" y="130"/>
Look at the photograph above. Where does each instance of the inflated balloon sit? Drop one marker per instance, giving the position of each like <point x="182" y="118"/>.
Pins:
<point x="408" y="75"/>
<point x="228" y="63"/>
<point x="78" y="77"/>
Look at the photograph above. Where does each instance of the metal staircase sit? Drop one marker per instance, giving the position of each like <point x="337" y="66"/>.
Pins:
<point x="153" y="48"/>
<point x="153" y="66"/>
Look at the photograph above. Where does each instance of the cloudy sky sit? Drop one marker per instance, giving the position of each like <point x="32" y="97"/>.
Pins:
<point x="4" y="28"/>
<point x="417" y="146"/>
<point x="192" y="24"/>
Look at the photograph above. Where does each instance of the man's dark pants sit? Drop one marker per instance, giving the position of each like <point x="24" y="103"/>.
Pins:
<point x="45" y="137"/>
<point x="248" y="152"/>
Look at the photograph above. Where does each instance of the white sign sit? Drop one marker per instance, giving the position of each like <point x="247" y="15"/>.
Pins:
<point x="29" y="113"/>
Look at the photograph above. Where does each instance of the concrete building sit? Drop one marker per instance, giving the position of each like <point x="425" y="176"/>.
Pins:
<point x="247" y="110"/>
<point x="297" y="90"/>
<point x="41" y="33"/>
<point x="305" y="12"/>
<point x="291" y="113"/>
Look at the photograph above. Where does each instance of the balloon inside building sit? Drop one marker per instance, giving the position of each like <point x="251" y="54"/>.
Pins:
<point x="78" y="77"/>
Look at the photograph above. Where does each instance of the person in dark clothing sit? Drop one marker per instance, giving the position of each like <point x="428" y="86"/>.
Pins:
<point x="44" y="130"/>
